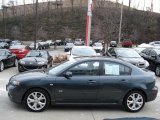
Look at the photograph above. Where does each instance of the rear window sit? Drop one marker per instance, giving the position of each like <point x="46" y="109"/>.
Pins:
<point x="18" y="47"/>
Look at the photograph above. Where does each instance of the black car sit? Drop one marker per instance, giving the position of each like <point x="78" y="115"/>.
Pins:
<point x="152" y="55"/>
<point x="7" y="59"/>
<point x="4" y="45"/>
<point x="89" y="81"/>
<point x="129" y="55"/>
<point x="35" y="59"/>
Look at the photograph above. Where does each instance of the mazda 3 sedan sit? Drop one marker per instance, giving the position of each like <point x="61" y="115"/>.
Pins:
<point x="91" y="81"/>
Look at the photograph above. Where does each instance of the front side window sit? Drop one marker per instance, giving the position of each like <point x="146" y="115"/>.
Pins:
<point x="115" y="69"/>
<point x="85" y="69"/>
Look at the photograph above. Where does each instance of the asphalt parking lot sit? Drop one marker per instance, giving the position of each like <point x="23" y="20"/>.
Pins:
<point x="11" y="111"/>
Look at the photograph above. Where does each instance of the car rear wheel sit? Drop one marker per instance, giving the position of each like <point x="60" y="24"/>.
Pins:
<point x="36" y="100"/>
<point x="157" y="71"/>
<point x="15" y="63"/>
<point x="134" y="101"/>
<point x="1" y="66"/>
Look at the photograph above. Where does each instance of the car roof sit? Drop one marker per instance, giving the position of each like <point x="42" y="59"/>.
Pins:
<point x="82" y="47"/>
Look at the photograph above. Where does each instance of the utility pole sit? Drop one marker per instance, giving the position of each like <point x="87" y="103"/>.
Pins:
<point x="88" y="24"/>
<point x="120" y="26"/>
<point x="36" y="24"/>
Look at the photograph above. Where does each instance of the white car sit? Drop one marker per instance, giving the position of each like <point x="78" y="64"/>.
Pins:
<point x="98" y="47"/>
<point x="81" y="51"/>
<point x="49" y="42"/>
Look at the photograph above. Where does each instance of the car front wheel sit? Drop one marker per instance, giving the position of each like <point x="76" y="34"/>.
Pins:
<point x="157" y="71"/>
<point x="134" y="101"/>
<point x="36" y="100"/>
<point x="1" y="66"/>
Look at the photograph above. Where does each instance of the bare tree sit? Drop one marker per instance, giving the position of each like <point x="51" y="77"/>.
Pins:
<point x="129" y="4"/>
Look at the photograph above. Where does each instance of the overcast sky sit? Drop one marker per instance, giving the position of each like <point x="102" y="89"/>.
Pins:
<point x="135" y="3"/>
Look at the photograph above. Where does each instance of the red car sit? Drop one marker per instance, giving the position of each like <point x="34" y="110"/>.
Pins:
<point x="19" y="50"/>
<point x="127" y="43"/>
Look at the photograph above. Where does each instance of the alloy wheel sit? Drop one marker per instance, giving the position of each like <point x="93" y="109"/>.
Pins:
<point x="1" y="66"/>
<point x="157" y="71"/>
<point x="135" y="101"/>
<point x="36" y="101"/>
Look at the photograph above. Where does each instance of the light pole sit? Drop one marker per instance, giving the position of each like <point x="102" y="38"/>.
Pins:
<point x="120" y="26"/>
<point x="36" y="24"/>
<point x="88" y="24"/>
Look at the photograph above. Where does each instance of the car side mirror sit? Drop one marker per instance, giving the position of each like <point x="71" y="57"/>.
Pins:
<point x="68" y="75"/>
<point x="154" y="56"/>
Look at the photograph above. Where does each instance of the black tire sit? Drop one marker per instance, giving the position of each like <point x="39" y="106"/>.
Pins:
<point x="30" y="94"/>
<point x="157" y="70"/>
<point x="134" y="103"/>
<point x="15" y="63"/>
<point x="1" y="66"/>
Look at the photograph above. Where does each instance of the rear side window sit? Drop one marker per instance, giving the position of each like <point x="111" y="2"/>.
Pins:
<point x="115" y="69"/>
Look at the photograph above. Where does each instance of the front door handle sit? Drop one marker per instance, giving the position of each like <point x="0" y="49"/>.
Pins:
<point x="123" y="80"/>
<point x="92" y="81"/>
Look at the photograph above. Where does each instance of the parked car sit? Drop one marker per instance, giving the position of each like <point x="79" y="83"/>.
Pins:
<point x="58" y="42"/>
<point x="98" y="47"/>
<point x="50" y="42"/>
<point x="78" y="41"/>
<point x="15" y="42"/>
<point x="113" y="44"/>
<point x="152" y="55"/>
<point x="127" y="43"/>
<point x="4" y="45"/>
<point x="155" y="43"/>
<point x="44" y="44"/>
<point x="88" y="81"/>
<point x="35" y="59"/>
<point x="82" y="51"/>
<point x="129" y="55"/>
<point x="7" y="59"/>
<point x="19" y="50"/>
<point x="68" y="47"/>
<point x="38" y="46"/>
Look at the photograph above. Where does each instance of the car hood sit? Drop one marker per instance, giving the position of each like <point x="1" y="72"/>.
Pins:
<point x="133" y="60"/>
<point x="2" y="57"/>
<point x="30" y="75"/>
<point x="34" y="59"/>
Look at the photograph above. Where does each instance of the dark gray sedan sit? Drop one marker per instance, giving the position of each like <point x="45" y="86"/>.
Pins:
<point x="89" y="81"/>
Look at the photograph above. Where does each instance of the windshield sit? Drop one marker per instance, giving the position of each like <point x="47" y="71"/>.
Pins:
<point x="55" y="70"/>
<point x="98" y="44"/>
<point x="69" y="44"/>
<point x="128" y="53"/>
<point x="37" y="54"/>
<point x="2" y="53"/>
<point x="83" y="52"/>
<point x="18" y="47"/>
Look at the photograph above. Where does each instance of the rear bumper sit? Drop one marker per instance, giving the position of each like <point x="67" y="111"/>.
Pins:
<point x="152" y="94"/>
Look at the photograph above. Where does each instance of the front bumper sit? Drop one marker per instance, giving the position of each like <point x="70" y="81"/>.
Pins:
<point x="152" y="94"/>
<point x="14" y="93"/>
<point x="23" y="68"/>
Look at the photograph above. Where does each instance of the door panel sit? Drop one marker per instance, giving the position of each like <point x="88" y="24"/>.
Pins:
<point x="114" y="82"/>
<point x="83" y="86"/>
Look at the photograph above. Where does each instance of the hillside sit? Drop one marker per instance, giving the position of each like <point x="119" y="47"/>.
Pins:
<point x="68" y="21"/>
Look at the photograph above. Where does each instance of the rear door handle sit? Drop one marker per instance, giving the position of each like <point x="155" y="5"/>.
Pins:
<point x="92" y="81"/>
<point x="123" y="80"/>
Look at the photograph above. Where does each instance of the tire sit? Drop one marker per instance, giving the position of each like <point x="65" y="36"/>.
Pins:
<point x="157" y="70"/>
<point x="15" y="63"/>
<point x="33" y="102"/>
<point x="134" y="105"/>
<point x="1" y="66"/>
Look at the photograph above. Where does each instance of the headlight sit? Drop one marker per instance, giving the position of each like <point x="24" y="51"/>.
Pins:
<point x="41" y="63"/>
<point x="22" y="62"/>
<point x="146" y="64"/>
<point x="15" y="83"/>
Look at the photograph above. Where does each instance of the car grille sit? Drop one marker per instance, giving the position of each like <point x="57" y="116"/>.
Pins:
<point x="30" y="67"/>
